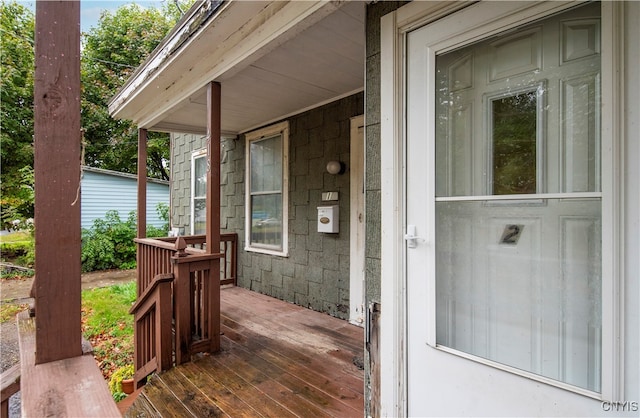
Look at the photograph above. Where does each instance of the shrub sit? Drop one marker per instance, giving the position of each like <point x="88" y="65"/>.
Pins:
<point x="18" y="248"/>
<point x="14" y="249"/>
<point x="109" y="243"/>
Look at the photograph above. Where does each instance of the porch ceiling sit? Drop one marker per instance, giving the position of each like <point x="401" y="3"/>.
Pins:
<point x="272" y="59"/>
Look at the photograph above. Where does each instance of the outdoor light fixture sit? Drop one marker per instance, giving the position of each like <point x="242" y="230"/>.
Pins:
<point x="335" y="167"/>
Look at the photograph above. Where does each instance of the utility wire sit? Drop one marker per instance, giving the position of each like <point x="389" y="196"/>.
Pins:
<point x="114" y="63"/>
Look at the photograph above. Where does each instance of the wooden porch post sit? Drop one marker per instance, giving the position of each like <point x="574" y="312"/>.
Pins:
<point x="142" y="183"/>
<point x="57" y="180"/>
<point x="213" y="210"/>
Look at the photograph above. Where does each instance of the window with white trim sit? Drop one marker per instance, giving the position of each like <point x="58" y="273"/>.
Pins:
<point x="199" y="192"/>
<point x="267" y="190"/>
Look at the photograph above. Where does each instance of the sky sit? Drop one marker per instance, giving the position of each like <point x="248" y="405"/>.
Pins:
<point x="90" y="9"/>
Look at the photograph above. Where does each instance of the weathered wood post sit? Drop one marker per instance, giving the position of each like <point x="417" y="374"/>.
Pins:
<point x="142" y="183"/>
<point x="213" y="211"/>
<point x="57" y="180"/>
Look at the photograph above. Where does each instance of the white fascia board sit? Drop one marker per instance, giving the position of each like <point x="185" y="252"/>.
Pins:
<point x="158" y="57"/>
<point x="158" y="88"/>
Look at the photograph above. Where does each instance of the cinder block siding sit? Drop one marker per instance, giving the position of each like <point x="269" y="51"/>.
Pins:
<point x="182" y="147"/>
<point x="316" y="272"/>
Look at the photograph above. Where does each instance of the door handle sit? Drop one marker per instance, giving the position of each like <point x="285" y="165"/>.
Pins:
<point x="411" y="237"/>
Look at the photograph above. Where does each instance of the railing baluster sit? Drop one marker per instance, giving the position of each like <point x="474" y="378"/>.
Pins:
<point x="182" y="285"/>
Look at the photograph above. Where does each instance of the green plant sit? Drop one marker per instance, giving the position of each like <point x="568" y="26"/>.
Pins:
<point x="107" y="324"/>
<point x="109" y="243"/>
<point x="14" y="249"/>
<point x="16" y="274"/>
<point x="18" y="247"/>
<point x="122" y="373"/>
<point x="162" y="209"/>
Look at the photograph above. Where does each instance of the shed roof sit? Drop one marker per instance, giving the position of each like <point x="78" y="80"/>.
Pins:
<point x="121" y="174"/>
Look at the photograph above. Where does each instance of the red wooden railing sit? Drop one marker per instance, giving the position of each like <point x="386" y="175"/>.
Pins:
<point x="177" y="291"/>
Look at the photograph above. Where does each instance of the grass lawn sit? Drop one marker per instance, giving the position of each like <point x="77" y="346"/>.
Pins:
<point x="8" y="311"/>
<point x="19" y="236"/>
<point x="107" y="324"/>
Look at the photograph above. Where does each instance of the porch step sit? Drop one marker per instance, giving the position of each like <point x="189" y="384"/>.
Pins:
<point x="140" y="408"/>
<point x="167" y="395"/>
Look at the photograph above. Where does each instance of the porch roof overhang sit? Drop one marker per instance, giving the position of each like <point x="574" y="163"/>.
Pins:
<point x="272" y="59"/>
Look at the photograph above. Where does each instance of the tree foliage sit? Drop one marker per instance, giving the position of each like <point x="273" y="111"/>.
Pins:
<point x="16" y="109"/>
<point x="111" y="52"/>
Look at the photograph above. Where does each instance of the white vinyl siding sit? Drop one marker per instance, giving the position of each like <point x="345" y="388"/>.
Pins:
<point x="105" y="190"/>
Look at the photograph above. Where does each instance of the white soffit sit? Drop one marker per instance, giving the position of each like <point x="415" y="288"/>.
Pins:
<point x="288" y="57"/>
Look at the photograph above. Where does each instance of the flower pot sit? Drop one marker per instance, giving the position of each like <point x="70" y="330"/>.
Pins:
<point x="127" y="386"/>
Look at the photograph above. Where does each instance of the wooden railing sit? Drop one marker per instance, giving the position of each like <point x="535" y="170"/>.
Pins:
<point x="177" y="285"/>
<point x="10" y="381"/>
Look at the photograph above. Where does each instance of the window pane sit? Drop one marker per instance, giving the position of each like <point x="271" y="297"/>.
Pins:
<point x="520" y="285"/>
<point x="199" y="216"/>
<point x="266" y="165"/>
<point x="200" y="176"/>
<point x="266" y="220"/>
<point x="518" y="282"/>
<point x="520" y="114"/>
<point x="514" y="143"/>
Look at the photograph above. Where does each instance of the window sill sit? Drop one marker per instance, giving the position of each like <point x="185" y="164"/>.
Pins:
<point x="279" y="253"/>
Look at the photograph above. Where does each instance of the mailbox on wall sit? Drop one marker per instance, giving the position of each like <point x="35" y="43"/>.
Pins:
<point x="328" y="219"/>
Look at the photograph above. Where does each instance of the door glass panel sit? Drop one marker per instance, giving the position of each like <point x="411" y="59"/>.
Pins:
<point x="514" y="132"/>
<point x="518" y="280"/>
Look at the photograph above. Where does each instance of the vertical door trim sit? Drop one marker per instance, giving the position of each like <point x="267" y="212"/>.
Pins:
<point x="393" y="382"/>
<point x="357" y="230"/>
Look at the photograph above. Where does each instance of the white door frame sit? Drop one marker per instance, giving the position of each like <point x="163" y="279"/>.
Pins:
<point x="356" y="218"/>
<point x="393" y="330"/>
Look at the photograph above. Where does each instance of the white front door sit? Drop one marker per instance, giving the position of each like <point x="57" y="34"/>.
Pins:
<point x="503" y="213"/>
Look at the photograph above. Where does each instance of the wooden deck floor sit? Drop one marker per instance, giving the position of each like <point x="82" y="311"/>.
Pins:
<point x="277" y="360"/>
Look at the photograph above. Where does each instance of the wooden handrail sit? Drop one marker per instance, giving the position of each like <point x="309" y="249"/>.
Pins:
<point x="152" y="320"/>
<point x="154" y="242"/>
<point x="160" y="278"/>
<point x="178" y="290"/>
<point x="189" y="239"/>
<point x="10" y="381"/>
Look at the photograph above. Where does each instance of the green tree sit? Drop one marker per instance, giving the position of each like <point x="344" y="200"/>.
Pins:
<point x="111" y="52"/>
<point x="16" y="109"/>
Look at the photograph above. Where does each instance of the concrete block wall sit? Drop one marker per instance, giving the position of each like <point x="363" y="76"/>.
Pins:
<point x="182" y="148"/>
<point x="316" y="272"/>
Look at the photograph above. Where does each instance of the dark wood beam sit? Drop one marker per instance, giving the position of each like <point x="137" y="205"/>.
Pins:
<point x="213" y="212"/>
<point x="142" y="183"/>
<point x="57" y="180"/>
<point x="213" y="172"/>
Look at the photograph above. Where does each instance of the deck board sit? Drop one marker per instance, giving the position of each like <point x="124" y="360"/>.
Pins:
<point x="277" y="360"/>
